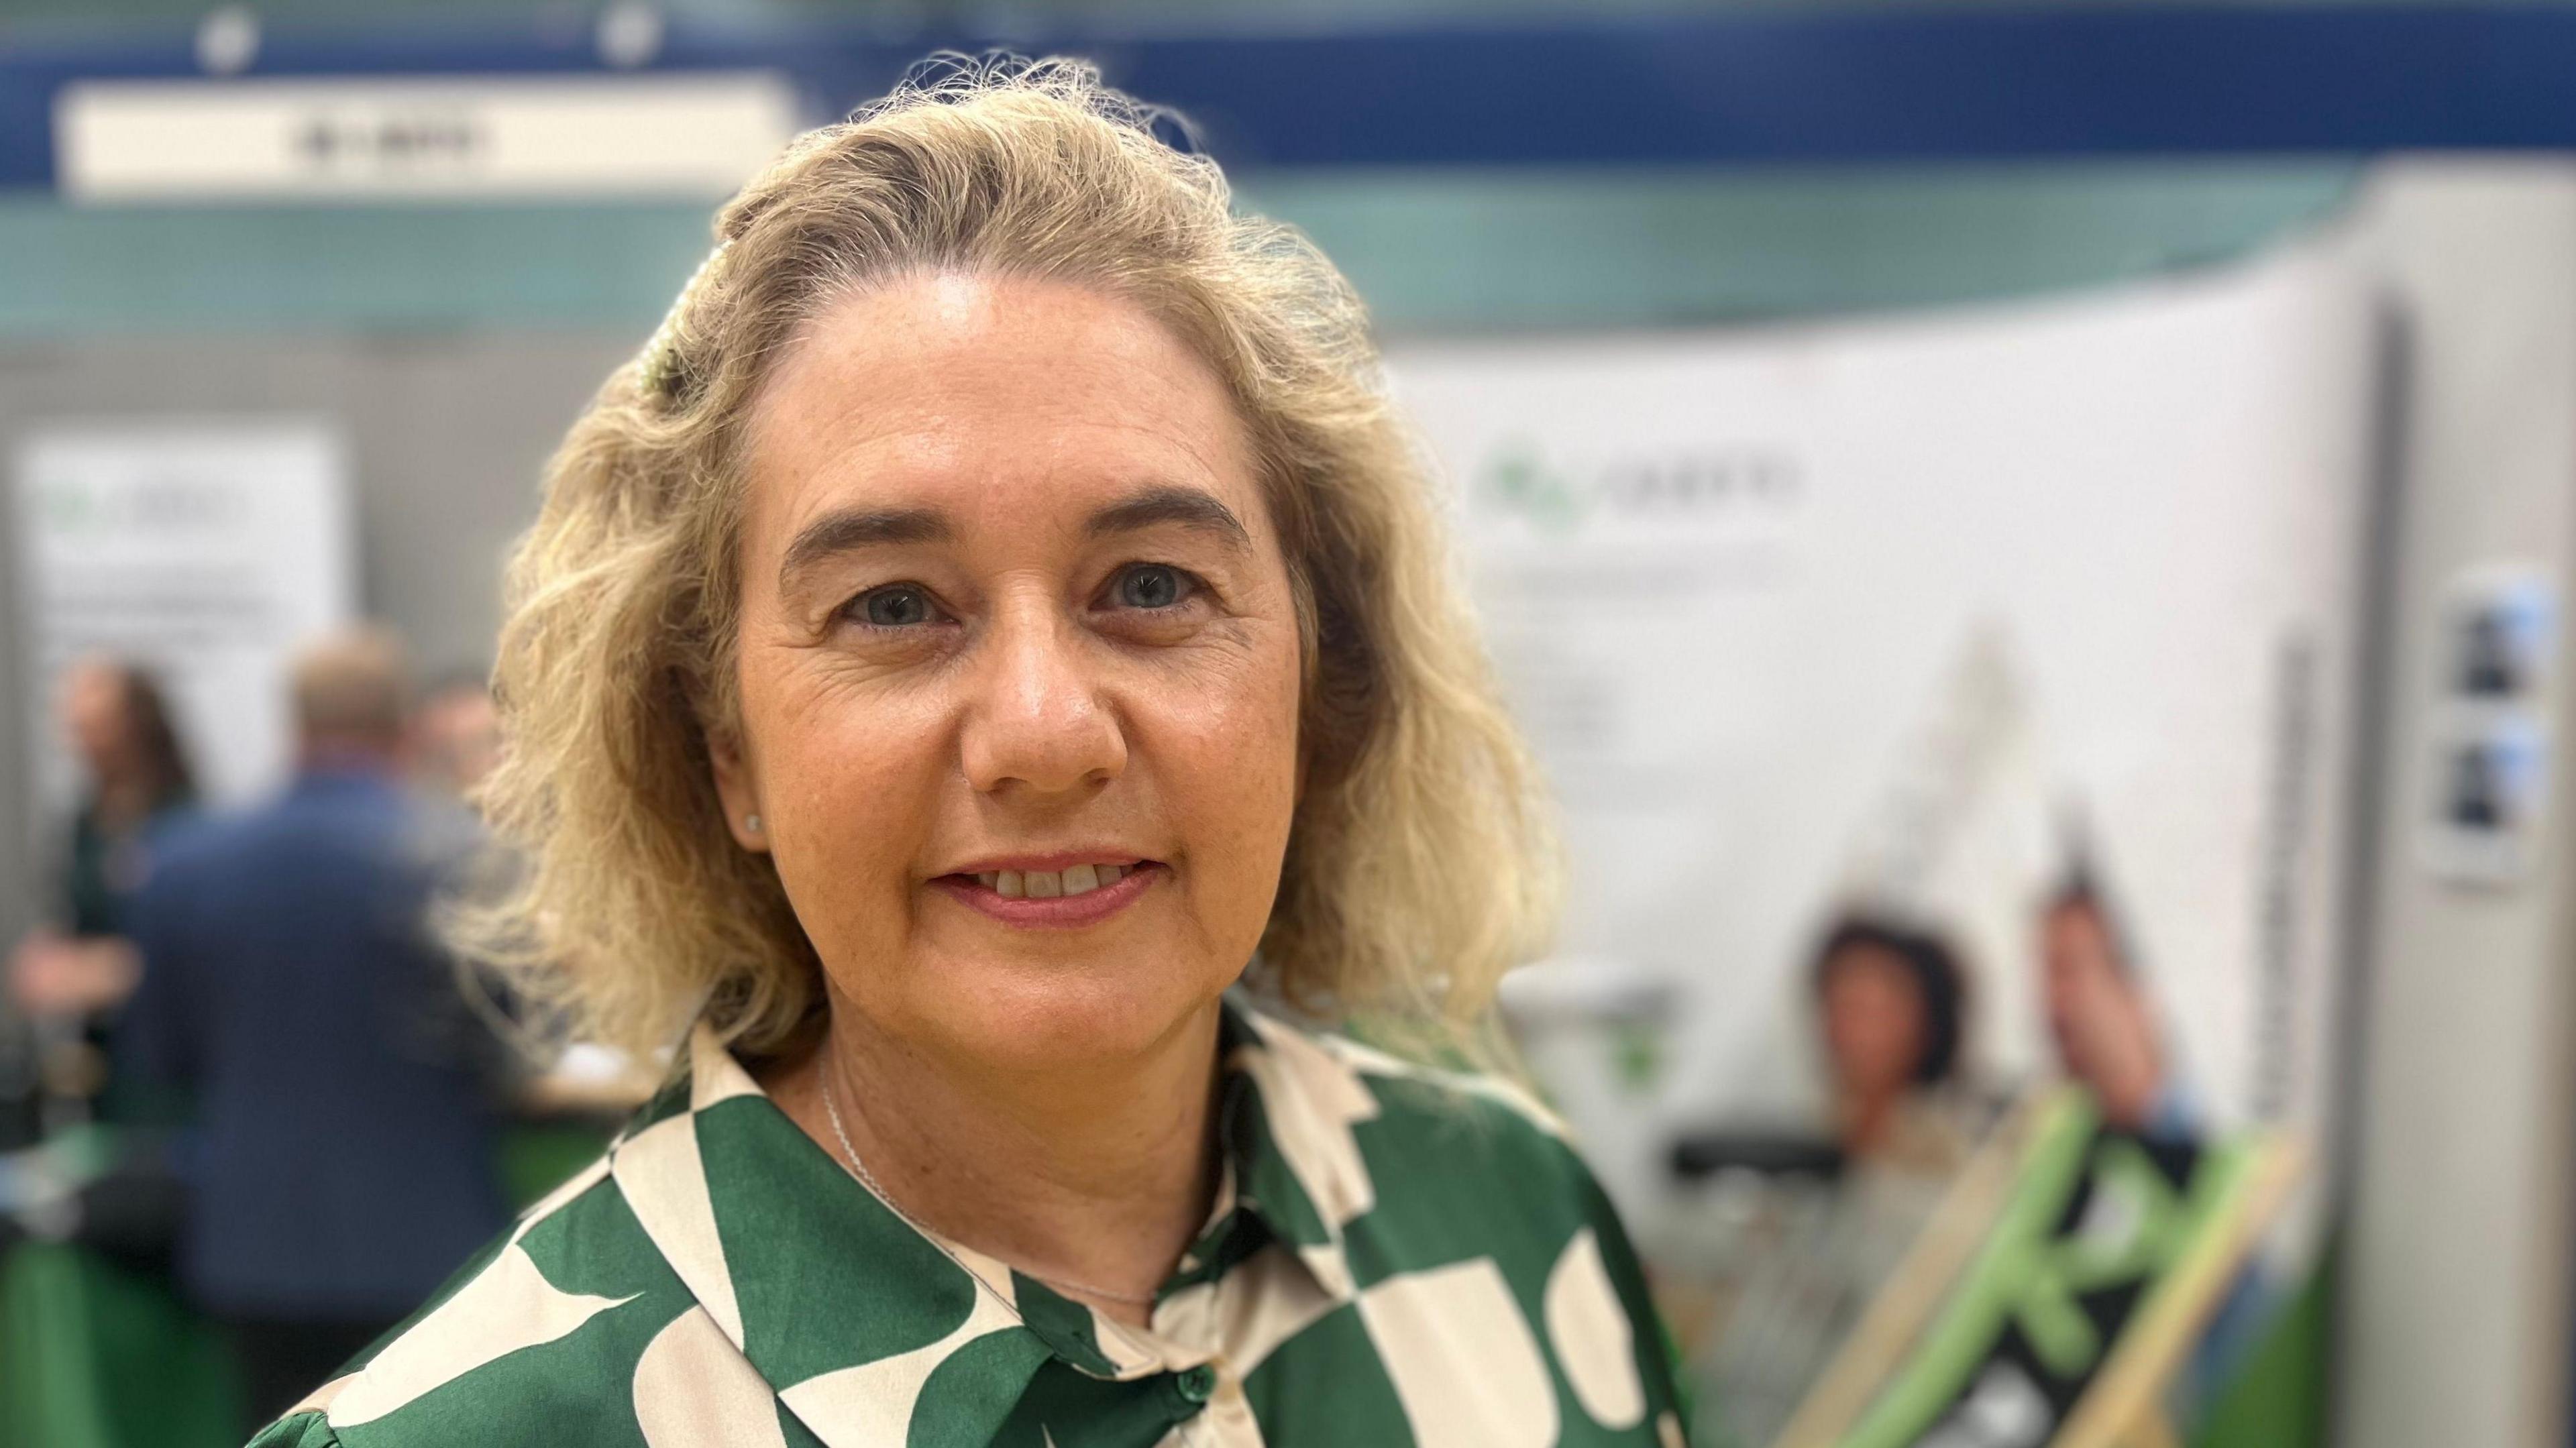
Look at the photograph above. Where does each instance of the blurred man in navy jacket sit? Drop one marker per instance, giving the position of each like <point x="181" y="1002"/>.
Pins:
<point x="341" y="1163"/>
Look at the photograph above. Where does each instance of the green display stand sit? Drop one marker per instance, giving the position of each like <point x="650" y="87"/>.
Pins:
<point x="2278" y="1398"/>
<point x="95" y="1355"/>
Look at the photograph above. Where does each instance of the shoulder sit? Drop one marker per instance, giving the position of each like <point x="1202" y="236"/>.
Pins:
<point x="1503" y="1103"/>
<point x="1472" y="1234"/>
<point x="1410" y="1122"/>
<point x="304" y="1428"/>
<point x="1328" y="1065"/>
<point x="183" y="855"/>
<point x="189" y="840"/>
<point x="551" y="1323"/>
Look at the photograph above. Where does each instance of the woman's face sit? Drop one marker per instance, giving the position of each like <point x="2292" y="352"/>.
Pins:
<point x="97" y="717"/>
<point x="1876" y="1027"/>
<point x="1019" y="669"/>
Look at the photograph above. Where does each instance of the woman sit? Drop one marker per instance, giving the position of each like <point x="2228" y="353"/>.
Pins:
<point x="1889" y="1003"/>
<point x="71" y="975"/>
<point x="998" y="606"/>
<point x="1806" y="1252"/>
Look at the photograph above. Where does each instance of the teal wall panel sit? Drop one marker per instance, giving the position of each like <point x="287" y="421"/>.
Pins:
<point x="1433" y="251"/>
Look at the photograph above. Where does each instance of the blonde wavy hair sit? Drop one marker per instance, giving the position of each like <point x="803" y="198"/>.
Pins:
<point x="1420" y="863"/>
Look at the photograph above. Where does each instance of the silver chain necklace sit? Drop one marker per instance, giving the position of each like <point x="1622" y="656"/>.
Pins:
<point x="859" y="1169"/>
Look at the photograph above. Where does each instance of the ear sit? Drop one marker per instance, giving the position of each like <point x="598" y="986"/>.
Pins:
<point x="738" y="787"/>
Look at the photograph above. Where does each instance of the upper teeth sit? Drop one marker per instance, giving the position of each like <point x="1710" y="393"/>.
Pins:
<point x="1048" y="884"/>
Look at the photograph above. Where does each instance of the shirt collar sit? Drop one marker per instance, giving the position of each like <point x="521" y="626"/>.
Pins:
<point x="843" y="1306"/>
<point x="1290" y="1104"/>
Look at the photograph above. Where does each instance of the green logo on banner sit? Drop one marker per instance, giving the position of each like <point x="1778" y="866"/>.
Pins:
<point x="1517" y="480"/>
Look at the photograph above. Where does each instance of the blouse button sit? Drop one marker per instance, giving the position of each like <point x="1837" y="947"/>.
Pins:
<point x="1197" y="1384"/>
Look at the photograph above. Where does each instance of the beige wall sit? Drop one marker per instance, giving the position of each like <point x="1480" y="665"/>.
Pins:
<point x="2455" y="1311"/>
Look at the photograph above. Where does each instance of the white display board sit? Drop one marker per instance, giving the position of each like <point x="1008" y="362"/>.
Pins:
<point x="206" y="551"/>
<point x="1800" y="615"/>
<point x="688" y="137"/>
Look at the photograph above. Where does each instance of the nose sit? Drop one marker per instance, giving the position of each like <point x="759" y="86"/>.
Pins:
<point x="1037" y="721"/>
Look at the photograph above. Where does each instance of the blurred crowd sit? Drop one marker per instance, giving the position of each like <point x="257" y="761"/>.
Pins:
<point x="294" y="1113"/>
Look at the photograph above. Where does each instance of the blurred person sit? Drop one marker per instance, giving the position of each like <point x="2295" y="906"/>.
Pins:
<point x="997" y="603"/>
<point x="341" y="1160"/>
<point x="2100" y="1017"/>
<point x="455" y="736"/>
<point x="1890" y="1005"/>
<point x="2103" y="1022"/>
<point x="1811" y="1247"/>
<point x="453" y="740"/>
<point x="69" y="976"/>
<point x="454" y="743"/>
<point x="139" y="782"/>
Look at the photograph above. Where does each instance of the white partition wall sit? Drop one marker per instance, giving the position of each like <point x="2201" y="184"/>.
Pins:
<point x="2455" y="1313"/>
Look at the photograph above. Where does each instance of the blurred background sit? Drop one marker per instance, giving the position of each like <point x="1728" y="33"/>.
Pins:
<point x="2031" y="541"/>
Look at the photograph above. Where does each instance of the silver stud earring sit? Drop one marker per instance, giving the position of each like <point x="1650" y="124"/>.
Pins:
<point x="751" y="822"/>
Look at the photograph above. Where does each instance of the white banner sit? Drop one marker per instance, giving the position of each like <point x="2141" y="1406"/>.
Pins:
<point x="207" y="552"/>
<point x="684" y="136"/>
<point x="1743" y="585"/>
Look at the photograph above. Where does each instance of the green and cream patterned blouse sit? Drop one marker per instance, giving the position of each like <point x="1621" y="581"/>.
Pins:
<point x="1396" y="1257"/>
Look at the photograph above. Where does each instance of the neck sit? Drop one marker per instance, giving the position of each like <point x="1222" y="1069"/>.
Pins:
<point x="334" y="754"/>
<point x="1091" y="1176"/>
<point x="1865" y="1117"/>
<point x="124" y="801"/>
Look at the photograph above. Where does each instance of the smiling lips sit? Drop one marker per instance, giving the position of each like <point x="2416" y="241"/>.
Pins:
<point x="1048" y="884"/>
<point x="1069" y="896"/>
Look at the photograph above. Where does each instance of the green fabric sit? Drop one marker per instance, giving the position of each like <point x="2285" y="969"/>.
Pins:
<point x="537" y="1157"/>
<point x="1391" y="1248"/>
<point x="2277" y="1399"/>
<point x="93" y="1355"/>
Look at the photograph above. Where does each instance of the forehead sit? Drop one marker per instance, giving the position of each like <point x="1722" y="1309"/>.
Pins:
<point x="988" y="395"/>
<point x="1865" y="963"/>
<point x="93" y="683"/>
<point x="2073" y="916"/>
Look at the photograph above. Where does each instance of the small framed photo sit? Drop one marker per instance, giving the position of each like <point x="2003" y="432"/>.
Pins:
<point x="2489" y="783"/>
<point x="2502" y="627"/>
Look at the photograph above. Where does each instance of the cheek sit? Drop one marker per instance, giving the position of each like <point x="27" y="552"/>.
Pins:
<point x="849" y="782"/>
<point x="1869" y="1032"/>
<point x="1226" y="754"/>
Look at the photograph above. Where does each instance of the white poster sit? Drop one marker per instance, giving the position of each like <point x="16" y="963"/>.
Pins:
<point x="1928" y="623"/>
<point x="207" y="552"/>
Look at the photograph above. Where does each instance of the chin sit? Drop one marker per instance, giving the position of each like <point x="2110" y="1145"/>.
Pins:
<point x="1024" y="1016"/>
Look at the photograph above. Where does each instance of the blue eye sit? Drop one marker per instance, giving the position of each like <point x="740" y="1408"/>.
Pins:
<point x="898" y="606"/>
<point x="1151" y="585"/>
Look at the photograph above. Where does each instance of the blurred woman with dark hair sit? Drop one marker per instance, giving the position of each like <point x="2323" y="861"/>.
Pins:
<point x="80" y="966"/>
<point x="1811" y="1241"/>
<point x="1890" y="1003"/>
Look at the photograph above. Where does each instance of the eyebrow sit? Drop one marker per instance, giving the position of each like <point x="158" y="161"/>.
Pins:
<point x="1187" y="507"/>
<point x="850" y="530"/>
